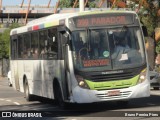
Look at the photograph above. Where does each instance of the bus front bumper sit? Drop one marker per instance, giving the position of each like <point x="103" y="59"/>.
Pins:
<point x="81" y="95"/>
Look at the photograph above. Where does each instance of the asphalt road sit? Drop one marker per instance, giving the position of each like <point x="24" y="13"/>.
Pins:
<point x="145" y="108"/>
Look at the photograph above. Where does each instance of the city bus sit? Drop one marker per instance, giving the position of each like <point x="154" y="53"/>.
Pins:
<point x="74" y="57"/>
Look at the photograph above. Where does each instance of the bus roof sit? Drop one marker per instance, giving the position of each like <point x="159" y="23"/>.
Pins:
<point x="58" y="19"/>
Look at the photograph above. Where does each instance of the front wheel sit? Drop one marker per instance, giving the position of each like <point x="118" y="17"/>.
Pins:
<point x="26" y="91"/>
<point x="59" y="98"/>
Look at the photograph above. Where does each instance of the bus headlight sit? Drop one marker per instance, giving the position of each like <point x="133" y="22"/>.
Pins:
<point x="81" y="82"/>
<point x="142" y="76"/>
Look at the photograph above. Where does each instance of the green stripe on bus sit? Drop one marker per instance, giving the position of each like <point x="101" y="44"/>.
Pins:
<point x="49" y="24"/>
<point x="113" y="84"/>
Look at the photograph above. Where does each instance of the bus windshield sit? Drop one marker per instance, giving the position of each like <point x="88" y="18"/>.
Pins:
<point x="108" y="49"/>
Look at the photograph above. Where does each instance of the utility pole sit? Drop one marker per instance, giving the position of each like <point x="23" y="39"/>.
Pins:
<point x="86" y="3"/>
<point x="81" y="5"/>
<point x="49" y="4"/>
<point x="75" y="3"/>
<point x="27" y="11"/>
<point x="22" y="3"/>
<point x="56" y="7"/>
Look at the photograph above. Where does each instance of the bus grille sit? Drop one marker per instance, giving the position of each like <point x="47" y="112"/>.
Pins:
<point x="106" y="97"/>
<point x="100" y="77"/>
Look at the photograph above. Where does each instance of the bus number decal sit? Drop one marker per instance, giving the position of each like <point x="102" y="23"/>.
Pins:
<point x="82" y="22"/>
<point x="93" y="63"/>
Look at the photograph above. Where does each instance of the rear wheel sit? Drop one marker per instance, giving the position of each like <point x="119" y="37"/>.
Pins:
<point x="26" y="91"/>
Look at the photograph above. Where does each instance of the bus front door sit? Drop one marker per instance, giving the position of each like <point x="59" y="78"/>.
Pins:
<point x="15" y="63"/>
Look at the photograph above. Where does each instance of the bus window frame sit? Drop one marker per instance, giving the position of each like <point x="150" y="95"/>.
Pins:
<point x="13" y="55"/>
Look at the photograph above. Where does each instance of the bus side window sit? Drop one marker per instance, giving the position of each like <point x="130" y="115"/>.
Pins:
<point x="34" y="45"/>
<point x="27" y="46"/>
<point x="14" y="43"/>
<point x="42" y="44"/>
<point x="52" y="45"/>
<point x="20" y="46"/>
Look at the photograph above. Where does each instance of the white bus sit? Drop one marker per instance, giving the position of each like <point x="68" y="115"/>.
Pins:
<point x="92" y="56"/>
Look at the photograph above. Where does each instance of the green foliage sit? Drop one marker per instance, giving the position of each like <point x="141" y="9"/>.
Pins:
<point x="148" y="22"/>
<point x="149" y="18"/>
<point x="70" y="3"/>
<point x="92" y="5"/>
<point x="5" y="41"/>
<point x="14" y="25"/>
<point x="4" y="44"/>
<point x="147" y="14"/>
<point x="65" y="4"/>
<point x="158" y="48"/>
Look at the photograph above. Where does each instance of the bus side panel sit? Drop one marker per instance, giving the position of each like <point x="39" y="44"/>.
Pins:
<point x="50" y="69"/>
<point x="15" y="74"/>
<point x="20" y="71"/>
<point x="40" y="75"/>
<point x="12" y="62"/>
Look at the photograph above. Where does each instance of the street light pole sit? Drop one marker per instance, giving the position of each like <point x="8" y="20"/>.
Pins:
<point x="81" y="5"/>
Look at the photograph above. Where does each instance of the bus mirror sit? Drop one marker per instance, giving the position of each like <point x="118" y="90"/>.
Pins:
<point x="145" y="32"/>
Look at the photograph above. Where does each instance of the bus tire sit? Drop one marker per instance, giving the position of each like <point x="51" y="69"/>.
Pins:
<point x="58" y="97"/>
<point x="26" y="91"/>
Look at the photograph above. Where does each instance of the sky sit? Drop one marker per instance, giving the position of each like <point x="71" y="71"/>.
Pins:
<point x="34" y="2"/>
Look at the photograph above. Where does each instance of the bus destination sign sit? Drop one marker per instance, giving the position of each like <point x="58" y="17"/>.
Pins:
<point x="91" y="21"/>
<point x="95" y="63"/>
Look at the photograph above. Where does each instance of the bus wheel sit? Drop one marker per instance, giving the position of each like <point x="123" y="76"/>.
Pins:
<point x="26" y="91"/>
<point x="59" y="98"/>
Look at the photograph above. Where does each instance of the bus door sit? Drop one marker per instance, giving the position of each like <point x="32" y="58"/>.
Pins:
<point x="14" y="66"/>
<point x="64" y="55"/>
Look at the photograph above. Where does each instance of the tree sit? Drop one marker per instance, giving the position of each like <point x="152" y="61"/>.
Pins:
<point x="149" y="16"/>
<point x="65" y="4"/>
<point x="70" y="3"/>
<point x="5" y="41"/>
<point x="147" y="12"/>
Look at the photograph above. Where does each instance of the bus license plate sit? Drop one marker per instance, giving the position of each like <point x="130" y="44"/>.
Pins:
<point x="114" y="93"/>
